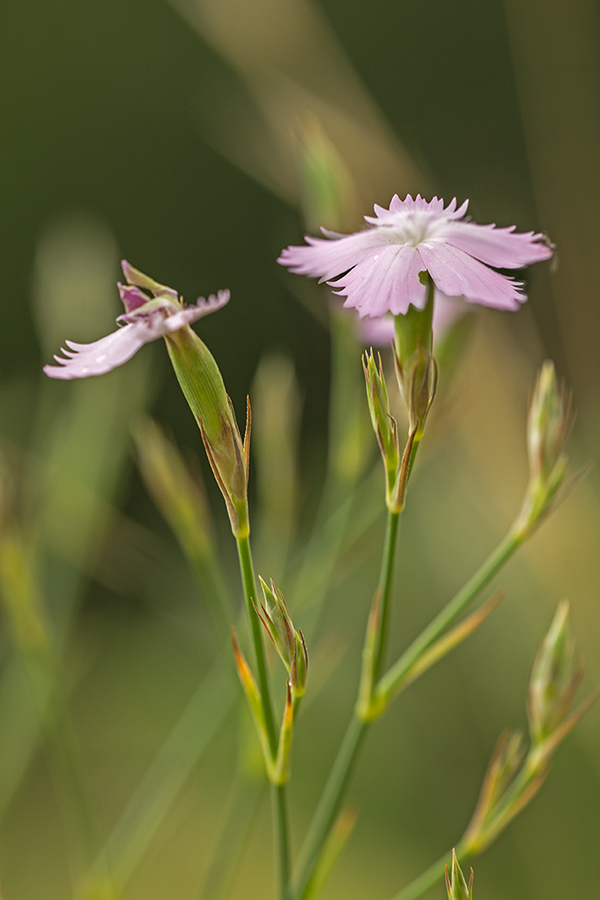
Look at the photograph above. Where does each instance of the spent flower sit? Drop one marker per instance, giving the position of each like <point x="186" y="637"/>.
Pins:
<point x="146" y="318"/>
<point x="153" y="310"/>
<point x="377" y="269"/>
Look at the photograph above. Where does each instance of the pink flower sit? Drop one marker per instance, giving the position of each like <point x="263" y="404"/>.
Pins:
<point x="378" y="269"/>
<point x="446" y="311"/>
<point x="146" y="319"/>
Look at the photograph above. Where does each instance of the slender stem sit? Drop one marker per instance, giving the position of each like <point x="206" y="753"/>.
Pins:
<point x="251" y="597"/>
<point x="329" y="805"/>
<point x="451" y="611"/>
<point x="385" y="588"/>
<point x="278" y="792"/>
<point x="331" y="799"/>
<point x="282" y="838"/>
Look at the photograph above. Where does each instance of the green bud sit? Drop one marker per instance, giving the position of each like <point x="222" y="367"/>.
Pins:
<point x="457" y="887"/>
<point x="276" y="619"/>
<point x="299" y="670"/>
<point x="548" y="426"/>
<point x="554" y="678"/>
<point x="290" y="644"/>
<point x="384" y="425"/>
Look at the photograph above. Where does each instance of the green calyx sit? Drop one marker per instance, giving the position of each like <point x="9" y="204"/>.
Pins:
<point x="204" y="390"/>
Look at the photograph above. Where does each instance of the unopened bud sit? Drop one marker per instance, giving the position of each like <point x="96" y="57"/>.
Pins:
<point x="548" y="426"/>
<point x="507" y="756"/>
<point x="384" y="425"/>
<point x="276" y="619"/>
<point x="290" y="644"/>
<point x="554" y="678"/>
<point x="299" y="670"/>
<point x="457" y="887"/>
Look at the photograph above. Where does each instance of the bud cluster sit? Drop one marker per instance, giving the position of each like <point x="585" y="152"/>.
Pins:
<point x="417" y="373"/>
<point x="291" y="647"/>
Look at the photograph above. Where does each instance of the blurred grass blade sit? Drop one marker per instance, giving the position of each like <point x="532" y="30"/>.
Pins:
<point x="277" y="407"/>
<point x="337" y="840"/>
<point x="293" y="66"/>
<point x="181" y="499"/>
<point x="133" y="834"/>
<point x="225" y="854"/>
<point x="79" y="448"/>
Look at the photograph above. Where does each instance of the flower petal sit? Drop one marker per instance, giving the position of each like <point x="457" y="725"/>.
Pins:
<point x="327" y="258"/>
<point x="103" y="355"/>
<point x="501" y="247"/>
<point x="387" y="281"/>
<point x="455" y="272"/>
<point x="201" y="308"/>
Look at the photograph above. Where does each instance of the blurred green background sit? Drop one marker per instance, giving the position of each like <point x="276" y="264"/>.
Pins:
<point x="167" y="133"/>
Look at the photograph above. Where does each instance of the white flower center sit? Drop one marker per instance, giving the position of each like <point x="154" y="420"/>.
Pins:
<point x="412" y="227"/>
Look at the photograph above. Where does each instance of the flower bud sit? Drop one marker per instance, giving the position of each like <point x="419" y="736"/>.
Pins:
<point x="457" y="888"/>
<point x="554" y="678"/>
<point x="290" y="644"/>
<point x="548" y="426"/>
<point x="299" y="670"/>
<point x="384" y="425"/>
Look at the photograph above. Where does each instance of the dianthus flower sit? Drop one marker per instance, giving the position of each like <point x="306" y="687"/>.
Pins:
<point x="146" y="318"/>
<point x="377" y="269"/>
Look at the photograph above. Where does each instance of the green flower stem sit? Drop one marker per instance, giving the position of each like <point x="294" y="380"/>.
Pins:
<point x="385" y="587"/>
<point x="329" y="806"/>
<point x="446" y="617"/>
<point x="282" y="838"/>
<point x="430" y="876"/>
<point x="331" y="799"/>
<point x="278" y="791"/>
<point x="251" y="597"/>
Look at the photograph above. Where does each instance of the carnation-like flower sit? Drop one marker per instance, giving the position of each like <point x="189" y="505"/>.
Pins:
<point x="145" y="319"/>
<point x="380" y="332"/>
<point x="377" y="269"/>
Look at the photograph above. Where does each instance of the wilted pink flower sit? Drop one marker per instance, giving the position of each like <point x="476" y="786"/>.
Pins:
<point x="378" y="269"/>
<point x="146" y="319"/>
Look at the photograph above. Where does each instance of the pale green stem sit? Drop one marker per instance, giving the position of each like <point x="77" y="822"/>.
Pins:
<point x="385" y="586"/>
<point x="331" y="799"/>
<point x="329" y="806"/>
<point x="278" y="791"/>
